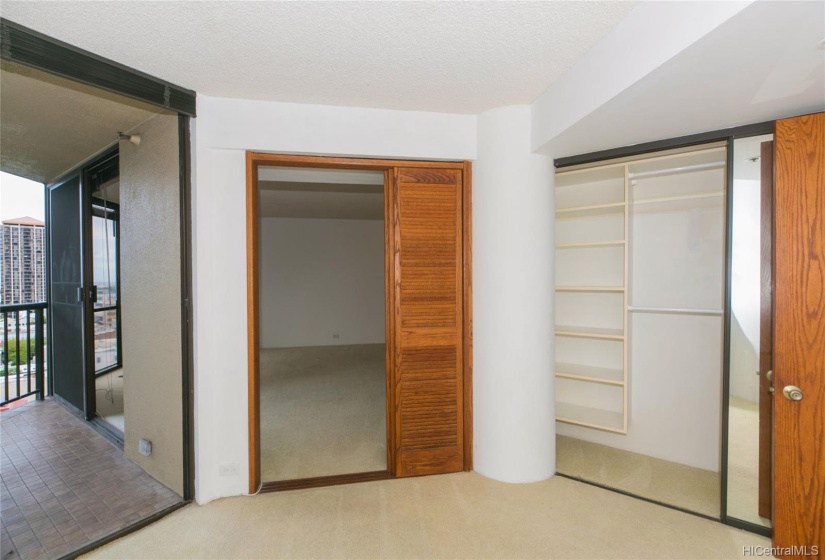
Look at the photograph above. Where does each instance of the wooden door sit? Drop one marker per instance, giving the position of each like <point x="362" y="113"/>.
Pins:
<point x="427" y="368"/>
<point x="799" y="335"/>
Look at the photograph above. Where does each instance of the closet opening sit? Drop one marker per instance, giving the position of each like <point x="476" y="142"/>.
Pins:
<point x="322" y="350"/>
<point x="640" y="324"/>
<point x="377" y="287"/>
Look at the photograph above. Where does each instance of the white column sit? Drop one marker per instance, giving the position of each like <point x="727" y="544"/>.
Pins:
<point x="514" y="430"/>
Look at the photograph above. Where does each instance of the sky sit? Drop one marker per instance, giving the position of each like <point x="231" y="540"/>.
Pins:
<point x="20" y="197"/>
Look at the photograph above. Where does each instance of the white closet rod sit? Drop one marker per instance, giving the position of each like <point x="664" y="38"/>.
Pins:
<point x="676" y="311"/>
<point x="673" y="170"/>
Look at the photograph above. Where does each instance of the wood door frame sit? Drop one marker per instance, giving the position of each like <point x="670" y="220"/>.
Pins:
<point x="256" y="159"/>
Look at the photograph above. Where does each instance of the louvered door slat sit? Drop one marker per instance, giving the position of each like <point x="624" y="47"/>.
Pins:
<point x="429" y="321"/>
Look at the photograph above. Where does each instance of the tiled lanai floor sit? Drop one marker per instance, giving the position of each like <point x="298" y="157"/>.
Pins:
<point x="63" y="486"/>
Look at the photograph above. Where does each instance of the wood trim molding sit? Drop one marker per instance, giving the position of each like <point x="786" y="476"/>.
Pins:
<point x="253" y="333"/>
<point x="467" y="209"/>
<point x="318" y="482"/>
<point x="391" y="311"/>
<point x="348" y="163"/>
<point x="390" y="167"/>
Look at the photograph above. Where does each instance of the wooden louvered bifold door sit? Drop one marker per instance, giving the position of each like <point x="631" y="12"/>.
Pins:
<point x="428" y="321"/>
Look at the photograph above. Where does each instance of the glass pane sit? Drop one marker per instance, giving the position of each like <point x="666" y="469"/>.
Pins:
<point x="105" y="261"/>
<point x="106" y="346"/>
<point x="748" y="489"/>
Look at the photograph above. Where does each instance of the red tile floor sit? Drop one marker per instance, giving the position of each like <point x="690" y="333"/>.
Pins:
<point x="63" y="486"/>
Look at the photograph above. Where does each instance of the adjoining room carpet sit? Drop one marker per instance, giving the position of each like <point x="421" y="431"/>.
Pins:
<point x="323" y="411"/>
<point x="664" y="481"/>
<point x="461" y="515"/>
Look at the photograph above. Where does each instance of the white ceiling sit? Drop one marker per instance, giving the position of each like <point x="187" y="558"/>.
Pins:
<point x="49" y="125"/>
<point x="457" y="57"/>
<point x="763" y="64"/>
<point x="330" y="194"/>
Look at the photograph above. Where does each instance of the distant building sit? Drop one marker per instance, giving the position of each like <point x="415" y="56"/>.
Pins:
<point x="23" y="259"/>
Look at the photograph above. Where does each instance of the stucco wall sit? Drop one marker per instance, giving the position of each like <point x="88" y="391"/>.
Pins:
<point x="151" y="298"/>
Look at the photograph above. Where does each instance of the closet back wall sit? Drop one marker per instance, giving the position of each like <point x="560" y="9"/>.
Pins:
<point x="321" y="278"/>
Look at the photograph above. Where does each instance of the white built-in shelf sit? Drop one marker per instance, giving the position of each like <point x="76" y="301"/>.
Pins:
<point x="590" y="332"/>
<point x="693" y="196"/>
<point x="600" y="419"/>
<point x="592" y="210"/>
<point x="590" y="374"/>
<point x="594" y="213"/>
<point x="585" y="289"/>
<point x="590" y="244"/>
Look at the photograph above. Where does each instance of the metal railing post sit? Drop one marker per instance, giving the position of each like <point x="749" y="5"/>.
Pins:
<point x="6" y="371"/>
<point x="34" y="356"/>
<point x="39" y="361"/>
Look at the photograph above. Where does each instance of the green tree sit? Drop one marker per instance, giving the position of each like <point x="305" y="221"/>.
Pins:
<point x="18" y="356"/>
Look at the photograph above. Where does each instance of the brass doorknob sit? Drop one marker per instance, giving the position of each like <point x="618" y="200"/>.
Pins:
<point x="792" y="393"/>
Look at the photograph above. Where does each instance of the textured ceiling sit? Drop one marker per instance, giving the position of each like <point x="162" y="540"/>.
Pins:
<point x="49" y="124"/>
<point x="459" y="57"/>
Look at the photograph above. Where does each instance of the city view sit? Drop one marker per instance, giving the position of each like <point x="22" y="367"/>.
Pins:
<point x="22" y="282"/>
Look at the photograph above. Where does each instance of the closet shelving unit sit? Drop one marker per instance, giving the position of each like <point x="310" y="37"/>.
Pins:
<point x="594" y="209"/>
<point x="591" y="295"/>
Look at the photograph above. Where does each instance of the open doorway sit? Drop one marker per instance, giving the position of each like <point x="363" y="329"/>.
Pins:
<point x="323" y="327"/>
<point x="427" y="311"/>
<point x="104" y="235"/>
<point x="113" y="224"/>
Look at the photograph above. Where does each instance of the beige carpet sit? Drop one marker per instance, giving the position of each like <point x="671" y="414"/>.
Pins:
<point x="322" y="411"/>
<point x="666" y="482"/>
<point x="452" y="516"/>
<point x="743" y="462"/>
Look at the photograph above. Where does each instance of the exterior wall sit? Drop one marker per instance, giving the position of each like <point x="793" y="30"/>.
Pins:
<point x="151" y="298"/>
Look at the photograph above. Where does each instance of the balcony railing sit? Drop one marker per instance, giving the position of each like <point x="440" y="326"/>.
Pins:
<point x="23" y="353"/>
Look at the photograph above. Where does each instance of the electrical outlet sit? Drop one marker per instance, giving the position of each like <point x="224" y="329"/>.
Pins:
<point x="145" y="447"/>
<point x="229" y="469"/>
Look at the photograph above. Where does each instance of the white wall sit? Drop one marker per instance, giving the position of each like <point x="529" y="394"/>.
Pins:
<point x="512" y="301"/>
<point x="224" y="129"/>
<point x="322" y="282"/>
